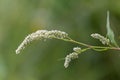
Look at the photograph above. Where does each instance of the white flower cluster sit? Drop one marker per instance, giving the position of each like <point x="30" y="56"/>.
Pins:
<point x="71" y="56"/>
<point x="41" y="34"/>
<point x="101" y="38"/>
<point x="77" y="49"/>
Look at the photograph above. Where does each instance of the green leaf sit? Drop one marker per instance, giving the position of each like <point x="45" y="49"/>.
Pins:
<point x="110" y="33"/>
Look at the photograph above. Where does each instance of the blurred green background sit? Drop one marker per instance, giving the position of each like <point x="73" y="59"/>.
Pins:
<point x="41" y="60"/>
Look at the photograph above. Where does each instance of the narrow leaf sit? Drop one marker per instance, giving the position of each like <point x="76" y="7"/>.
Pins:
<point x="110" y="33"/>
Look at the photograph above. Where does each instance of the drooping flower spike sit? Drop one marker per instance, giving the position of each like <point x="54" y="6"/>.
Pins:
<point x="41" y="34"/>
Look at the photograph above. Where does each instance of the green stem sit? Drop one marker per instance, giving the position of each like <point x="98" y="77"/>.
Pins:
<point x="96" y="48"/>
<point x="100" y="49"/>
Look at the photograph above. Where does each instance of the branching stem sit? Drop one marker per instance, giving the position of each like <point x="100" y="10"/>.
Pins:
<point x="96" y="48"/>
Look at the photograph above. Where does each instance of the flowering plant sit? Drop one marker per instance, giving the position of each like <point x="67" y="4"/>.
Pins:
<point x="109" y="41"/>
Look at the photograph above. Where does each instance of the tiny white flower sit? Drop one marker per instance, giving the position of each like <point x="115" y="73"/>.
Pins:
<point x="77" y="49"/>
<point x="101" y="38"/>
<point x="67" y="61"/>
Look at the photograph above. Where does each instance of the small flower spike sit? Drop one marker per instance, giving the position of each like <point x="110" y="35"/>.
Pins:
<point x="72" y="56"/>
<point x="101" y="38"/>
<point x="41" y="34"/>
<point x="69" y="57"/>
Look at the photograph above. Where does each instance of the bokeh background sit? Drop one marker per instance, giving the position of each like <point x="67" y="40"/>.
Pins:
<point x="42" y="60"/>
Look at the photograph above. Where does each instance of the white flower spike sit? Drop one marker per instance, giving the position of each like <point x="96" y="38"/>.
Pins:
<point x="101" y="38"/>
<point x="41" y="34"/>
<point x="71" y="56"/>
